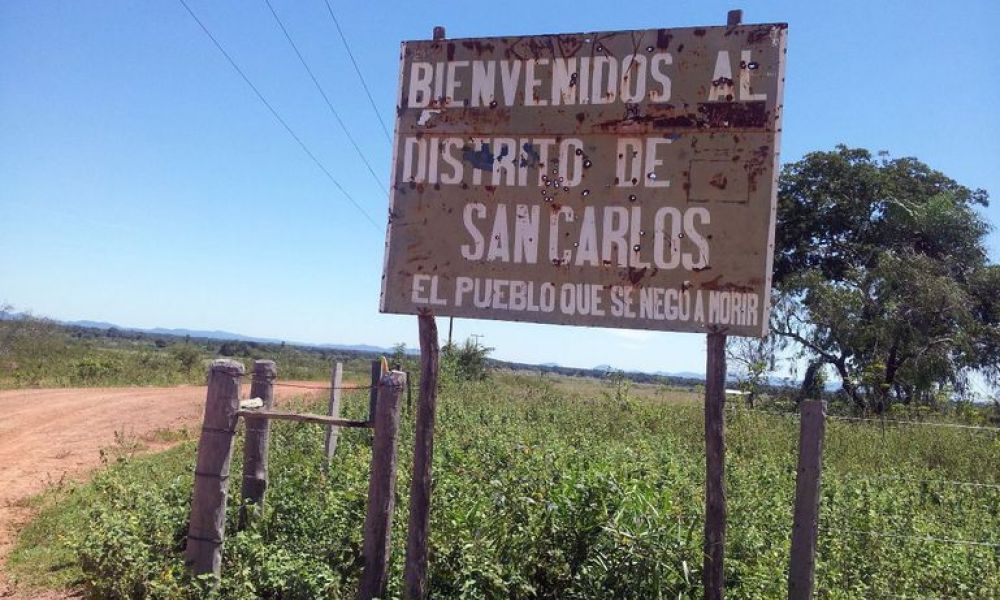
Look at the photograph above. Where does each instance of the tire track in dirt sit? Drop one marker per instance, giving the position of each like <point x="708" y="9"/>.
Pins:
<point x="53" y="435"/>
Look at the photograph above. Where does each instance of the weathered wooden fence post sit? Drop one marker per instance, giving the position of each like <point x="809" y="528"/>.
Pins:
<point x="805" y="527"/>
<point x="333" y="410"/>
<point x="255" y="446"/>
<point x="415" y="574"/>
<point x="713" y="574"/>
<point x="206" y="529"/>
<point x="381" y="488"/>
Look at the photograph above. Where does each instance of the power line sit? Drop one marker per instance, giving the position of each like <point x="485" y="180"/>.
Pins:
<point x="357" y="70"/>
<point x="326" y="98"/>
<point x="277" y="116"/>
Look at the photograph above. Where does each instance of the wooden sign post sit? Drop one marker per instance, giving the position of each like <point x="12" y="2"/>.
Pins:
<point x="415" y="575"/>
<point x="714" y="543"/>
<point x="713" y="574"/>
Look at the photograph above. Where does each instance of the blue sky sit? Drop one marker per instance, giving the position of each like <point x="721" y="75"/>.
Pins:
<point x="145" y="184"/>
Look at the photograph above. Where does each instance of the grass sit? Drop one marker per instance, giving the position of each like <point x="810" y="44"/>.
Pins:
<point x="44" y="557"/>
<point x="548" y="488"/>
<point x="165" y="436"/>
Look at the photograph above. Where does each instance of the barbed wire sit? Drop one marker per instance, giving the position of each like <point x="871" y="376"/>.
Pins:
<point x="979" y="490"/>
<point x="951" y="482"/>
<point x="874" y="420"/>
<point x="920" y="423"/>
<point x="735" y="407"/>
<point x="904" y="597"/>
<point x="921" y="538"/>
<point x="817" y="594"/>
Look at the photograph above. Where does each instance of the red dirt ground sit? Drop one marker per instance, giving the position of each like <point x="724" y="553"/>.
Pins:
<point x="53" y="435"/>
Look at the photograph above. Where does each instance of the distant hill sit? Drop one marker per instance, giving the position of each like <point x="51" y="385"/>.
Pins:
<point x="685" y="374"/>
<point x="92" y="324"/>
<point x="216" y="334"/>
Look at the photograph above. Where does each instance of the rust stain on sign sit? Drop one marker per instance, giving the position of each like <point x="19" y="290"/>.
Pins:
<point x="612" y="179"/>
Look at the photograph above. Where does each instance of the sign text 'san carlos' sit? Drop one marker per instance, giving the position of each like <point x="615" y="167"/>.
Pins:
<point x="622" y="179"/>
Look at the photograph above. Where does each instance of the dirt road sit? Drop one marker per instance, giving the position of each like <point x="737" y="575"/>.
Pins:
<point x="51" y="435"/>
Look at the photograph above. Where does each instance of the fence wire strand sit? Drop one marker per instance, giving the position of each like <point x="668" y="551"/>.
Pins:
<point x="973" y="484"/>
<point x="735" y="404"/>
<point x="977" y="489"/>
<point x="903" y="536"/>
<point x="321" y="388"/>
<point x="905" y="597"/>
<point x="347" y="388"/>
<point x="820" y="593"/>
<point x="920" y="423"/>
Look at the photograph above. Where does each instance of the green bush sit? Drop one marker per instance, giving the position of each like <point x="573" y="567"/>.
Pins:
<point x="467" y="362"/>
<point x="93" y="370"/>
<point x="187" y="356"/>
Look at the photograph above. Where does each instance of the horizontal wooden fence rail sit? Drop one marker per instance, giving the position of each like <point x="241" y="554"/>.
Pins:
<point x="304" y="418"/>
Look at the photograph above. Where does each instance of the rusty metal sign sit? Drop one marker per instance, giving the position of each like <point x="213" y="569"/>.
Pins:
<point x="615" y="179"/>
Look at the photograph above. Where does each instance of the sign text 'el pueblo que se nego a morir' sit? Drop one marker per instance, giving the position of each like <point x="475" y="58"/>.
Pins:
<point x="620" y="179"/>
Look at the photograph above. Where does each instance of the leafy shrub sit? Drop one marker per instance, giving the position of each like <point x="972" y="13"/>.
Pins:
<point x="187" y="356"/>
<point x="93" y="370"/>
<point x="467" y="362"/>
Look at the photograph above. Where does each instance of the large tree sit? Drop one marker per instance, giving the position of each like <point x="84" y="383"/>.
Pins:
<point x="881" y="272"/>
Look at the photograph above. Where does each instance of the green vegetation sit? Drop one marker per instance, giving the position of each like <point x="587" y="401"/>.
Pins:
<point x="466" y="362"/>
<point x="881" y="272"/>
<point x="553" y="488"/>
<point x="37" y="352"/>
